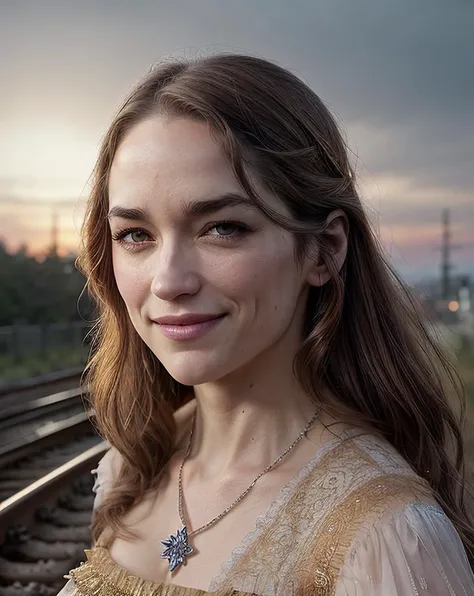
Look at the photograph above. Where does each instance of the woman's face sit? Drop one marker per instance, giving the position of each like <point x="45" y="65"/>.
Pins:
<point x="208" y="281"/>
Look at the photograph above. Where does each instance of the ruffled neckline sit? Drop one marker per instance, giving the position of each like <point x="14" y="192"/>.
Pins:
<point x="101" y="571"/>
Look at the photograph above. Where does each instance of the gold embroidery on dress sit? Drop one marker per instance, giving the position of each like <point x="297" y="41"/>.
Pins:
<point x="364" y="506"/>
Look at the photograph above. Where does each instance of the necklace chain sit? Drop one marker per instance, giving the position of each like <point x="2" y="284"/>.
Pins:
<point x="247" y="490"/>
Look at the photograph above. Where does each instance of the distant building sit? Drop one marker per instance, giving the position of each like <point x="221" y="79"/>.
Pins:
<point x="454" y="315"/>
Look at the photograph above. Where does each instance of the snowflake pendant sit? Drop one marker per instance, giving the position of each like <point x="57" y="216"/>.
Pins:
<point x="177" y="548"/>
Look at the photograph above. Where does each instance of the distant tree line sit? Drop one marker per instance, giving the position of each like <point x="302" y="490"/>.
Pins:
<point x="47" y="291"/>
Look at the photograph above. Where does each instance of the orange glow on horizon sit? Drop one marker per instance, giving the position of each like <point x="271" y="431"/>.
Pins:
<point x="30" y="223"/>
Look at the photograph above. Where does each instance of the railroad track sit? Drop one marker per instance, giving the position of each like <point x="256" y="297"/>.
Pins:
<point x="27" y="427"/>
<point x="47" y="448"/>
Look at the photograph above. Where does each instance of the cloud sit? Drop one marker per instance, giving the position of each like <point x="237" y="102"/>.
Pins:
<point x="398" y="75"/>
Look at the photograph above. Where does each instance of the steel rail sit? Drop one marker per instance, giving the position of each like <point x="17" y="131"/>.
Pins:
<point x="49" y="435"/>
<point x="22" y="412"/>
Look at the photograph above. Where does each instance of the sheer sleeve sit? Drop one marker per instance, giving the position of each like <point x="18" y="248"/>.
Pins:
<point x="68" y="590"/>
<point x="416" y="551"/>
<point x="106" y="473"/>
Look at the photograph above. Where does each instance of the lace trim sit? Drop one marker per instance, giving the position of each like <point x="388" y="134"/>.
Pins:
<point x="101" y="576"/>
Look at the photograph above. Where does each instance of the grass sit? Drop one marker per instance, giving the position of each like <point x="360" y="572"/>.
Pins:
<point x="40" y="363"/>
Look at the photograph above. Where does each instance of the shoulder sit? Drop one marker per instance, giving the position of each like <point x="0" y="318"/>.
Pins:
<point x="379" y="452"/>
<point x="363" y="473"/>
<point x="414" y="549"/>
<point x="365" y="468"/>
<point x="378" y="520"/>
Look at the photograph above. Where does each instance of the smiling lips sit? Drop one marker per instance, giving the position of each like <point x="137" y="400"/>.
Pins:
<point x="188" y="326"/>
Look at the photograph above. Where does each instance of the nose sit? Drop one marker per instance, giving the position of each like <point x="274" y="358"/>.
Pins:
<point x="175" y="273"/>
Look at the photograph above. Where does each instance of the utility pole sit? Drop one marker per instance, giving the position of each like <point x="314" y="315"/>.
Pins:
<point x="446" y="249"/>
<point x="445" y="256"/>
<point x="54" y="234"/>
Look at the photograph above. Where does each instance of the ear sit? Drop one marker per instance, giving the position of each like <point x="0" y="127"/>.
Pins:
<point x="336" y="233"/>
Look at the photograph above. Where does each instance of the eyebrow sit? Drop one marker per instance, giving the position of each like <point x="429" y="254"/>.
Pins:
<point x="192" y="210"/>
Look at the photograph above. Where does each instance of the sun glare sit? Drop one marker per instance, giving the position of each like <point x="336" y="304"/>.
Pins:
<point x="46" y="160"/>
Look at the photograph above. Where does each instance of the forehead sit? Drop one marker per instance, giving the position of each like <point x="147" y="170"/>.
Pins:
<point x="161" y="157"/>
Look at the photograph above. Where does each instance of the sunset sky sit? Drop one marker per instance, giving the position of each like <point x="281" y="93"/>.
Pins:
<point x="398" y="75"/>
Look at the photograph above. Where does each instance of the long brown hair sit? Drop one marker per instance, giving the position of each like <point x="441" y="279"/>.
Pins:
<point x="365" y="337"/>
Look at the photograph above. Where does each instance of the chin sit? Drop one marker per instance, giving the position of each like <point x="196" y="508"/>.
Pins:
<point x="191" y="371"/>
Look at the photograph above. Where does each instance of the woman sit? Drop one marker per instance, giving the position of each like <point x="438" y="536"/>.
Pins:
<point x="280" y="418"/>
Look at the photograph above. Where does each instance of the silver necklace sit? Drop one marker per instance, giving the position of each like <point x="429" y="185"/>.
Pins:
<point x="177" y="545"/>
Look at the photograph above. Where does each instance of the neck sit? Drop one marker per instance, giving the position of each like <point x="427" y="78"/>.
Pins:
<point x="247" y="420"/>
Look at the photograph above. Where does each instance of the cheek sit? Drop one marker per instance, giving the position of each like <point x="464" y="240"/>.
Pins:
<point x="131" y="282"/>
<point x="267" y="278"/>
